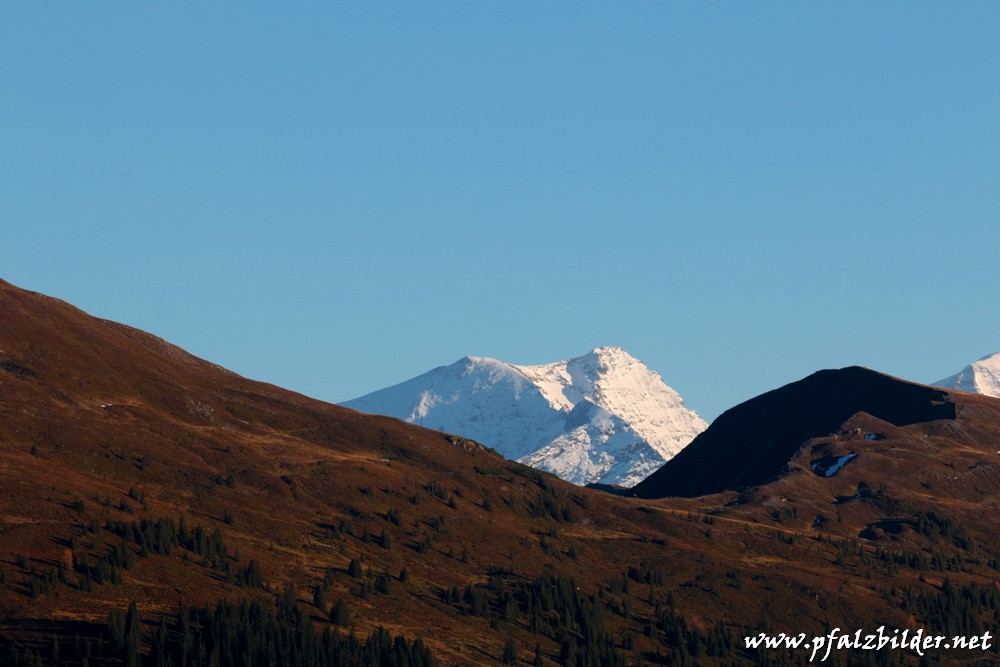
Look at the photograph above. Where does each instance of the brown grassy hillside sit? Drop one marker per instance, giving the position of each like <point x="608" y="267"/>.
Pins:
<point x="103" y="426"/>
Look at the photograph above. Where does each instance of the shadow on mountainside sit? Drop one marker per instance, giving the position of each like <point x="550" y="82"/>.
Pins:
<point x="752" y="443"/>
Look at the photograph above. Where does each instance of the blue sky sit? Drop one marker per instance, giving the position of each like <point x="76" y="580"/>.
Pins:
<point x="334" y="197"/>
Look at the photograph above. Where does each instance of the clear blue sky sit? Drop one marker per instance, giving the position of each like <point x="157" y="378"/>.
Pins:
<point x="336" y="196"/>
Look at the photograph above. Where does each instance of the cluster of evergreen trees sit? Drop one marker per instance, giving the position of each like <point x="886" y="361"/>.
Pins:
<point x="39" y="582"/>
<point x="551" y="605"/>
<point x="555" y="606"/>
<point x="160" y="536"/>
<point x="936" y="528"/>
<point x="967" y="611"/>
<point x="888" y="561"/>
<point x="243" y="634"/>
<point x="248" y="634"/>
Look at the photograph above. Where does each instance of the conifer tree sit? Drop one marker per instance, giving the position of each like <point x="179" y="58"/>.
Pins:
<point x="339" y="614"/>
<point x="116" y="630"/>
<point x="133" y="636"/>
<point x="509" y="656"/>
<point x="319" y="598"/>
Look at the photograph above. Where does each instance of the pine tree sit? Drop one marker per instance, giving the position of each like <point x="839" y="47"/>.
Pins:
<point x="509" y="656"/>
<point x="116" y="630"/>
<point x="382" y="583"/>
<point x="319" y="599"/>
<point x="133" y="636"/>
<point x="339" y="614"/>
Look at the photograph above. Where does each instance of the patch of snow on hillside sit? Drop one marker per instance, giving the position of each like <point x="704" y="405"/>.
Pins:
<point x="841" y="462"/>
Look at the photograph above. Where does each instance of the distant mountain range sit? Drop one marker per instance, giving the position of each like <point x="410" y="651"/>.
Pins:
<point x="154" y="505"/>
<point x="603" y="417"/>
<point x="979" y="377"/>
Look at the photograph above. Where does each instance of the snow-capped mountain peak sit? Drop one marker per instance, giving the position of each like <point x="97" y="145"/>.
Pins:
<point x="613" y="379"/>
<point x="980" y="377"/>
<point x="602" y="417"/>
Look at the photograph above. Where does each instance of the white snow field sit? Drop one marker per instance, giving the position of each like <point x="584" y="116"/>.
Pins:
<point x="979" y="377"/>
<point x="603" y="417"/>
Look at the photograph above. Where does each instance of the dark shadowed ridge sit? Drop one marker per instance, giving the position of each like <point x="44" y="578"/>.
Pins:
<point x="752" y="443"/>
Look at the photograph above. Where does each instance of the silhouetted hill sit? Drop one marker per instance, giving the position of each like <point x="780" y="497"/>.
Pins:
<point x="753" y="442"/>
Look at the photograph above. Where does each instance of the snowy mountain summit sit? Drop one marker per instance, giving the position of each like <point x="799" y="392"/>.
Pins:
<point x="603" y="417"/>
<point x="979" y="377"/>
